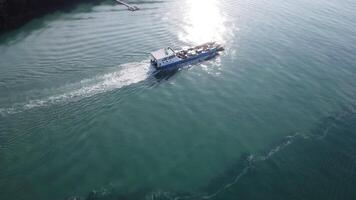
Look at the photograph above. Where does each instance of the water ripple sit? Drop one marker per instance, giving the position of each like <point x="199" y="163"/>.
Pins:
<point x="128" y="74"/>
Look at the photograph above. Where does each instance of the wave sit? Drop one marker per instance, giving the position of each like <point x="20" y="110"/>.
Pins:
<point x="239" y="170"/>
<point x="248" y="161"/>
<point x="129" y="73"/>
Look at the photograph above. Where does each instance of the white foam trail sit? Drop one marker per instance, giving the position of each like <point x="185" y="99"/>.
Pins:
<point x="128" y="74"/>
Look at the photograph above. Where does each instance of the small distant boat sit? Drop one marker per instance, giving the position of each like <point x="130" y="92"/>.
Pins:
<point x="133" y="8"/>
<point x="168" y="58"/>
<point x="129" y="7"/>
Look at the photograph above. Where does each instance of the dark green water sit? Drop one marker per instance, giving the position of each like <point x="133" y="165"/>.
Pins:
<point x="274" y="117"/>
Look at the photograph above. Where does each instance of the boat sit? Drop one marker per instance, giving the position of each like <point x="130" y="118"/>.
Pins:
<point x="129" y="7"/>
<point x="133" y="8"/>
<point x="169" y="58"/>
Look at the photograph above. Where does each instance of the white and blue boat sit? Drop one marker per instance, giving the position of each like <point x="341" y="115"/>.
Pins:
<point x="170" y="59"/>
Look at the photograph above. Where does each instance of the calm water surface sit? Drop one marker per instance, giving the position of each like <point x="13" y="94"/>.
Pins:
<point x="273" y="117"/>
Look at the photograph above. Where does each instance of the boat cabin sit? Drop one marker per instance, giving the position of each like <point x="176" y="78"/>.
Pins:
<point x="164" y="57"/>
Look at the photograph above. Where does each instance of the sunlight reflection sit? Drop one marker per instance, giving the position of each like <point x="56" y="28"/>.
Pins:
<point x="204" y="22"/>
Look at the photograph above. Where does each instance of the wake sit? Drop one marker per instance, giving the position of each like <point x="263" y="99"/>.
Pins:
<point x="128" y="74"/>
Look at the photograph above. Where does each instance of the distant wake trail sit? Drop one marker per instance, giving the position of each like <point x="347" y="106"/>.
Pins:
<point x="128" y="74"/>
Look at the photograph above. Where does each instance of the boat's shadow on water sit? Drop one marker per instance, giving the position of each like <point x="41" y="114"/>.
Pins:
<point x="157" y="77"/>
<point x="164" y="75"/>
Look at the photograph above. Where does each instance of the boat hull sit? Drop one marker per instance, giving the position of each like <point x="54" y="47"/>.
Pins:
<point x="188" y="61"/>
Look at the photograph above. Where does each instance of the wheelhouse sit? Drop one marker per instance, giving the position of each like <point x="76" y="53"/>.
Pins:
<point x="163" y="57"/>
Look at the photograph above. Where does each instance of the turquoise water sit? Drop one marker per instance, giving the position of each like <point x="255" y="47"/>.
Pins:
<point x="273" y="117"/>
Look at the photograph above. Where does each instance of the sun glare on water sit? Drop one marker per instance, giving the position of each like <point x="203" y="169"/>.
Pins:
<point x="203" y="21"/>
